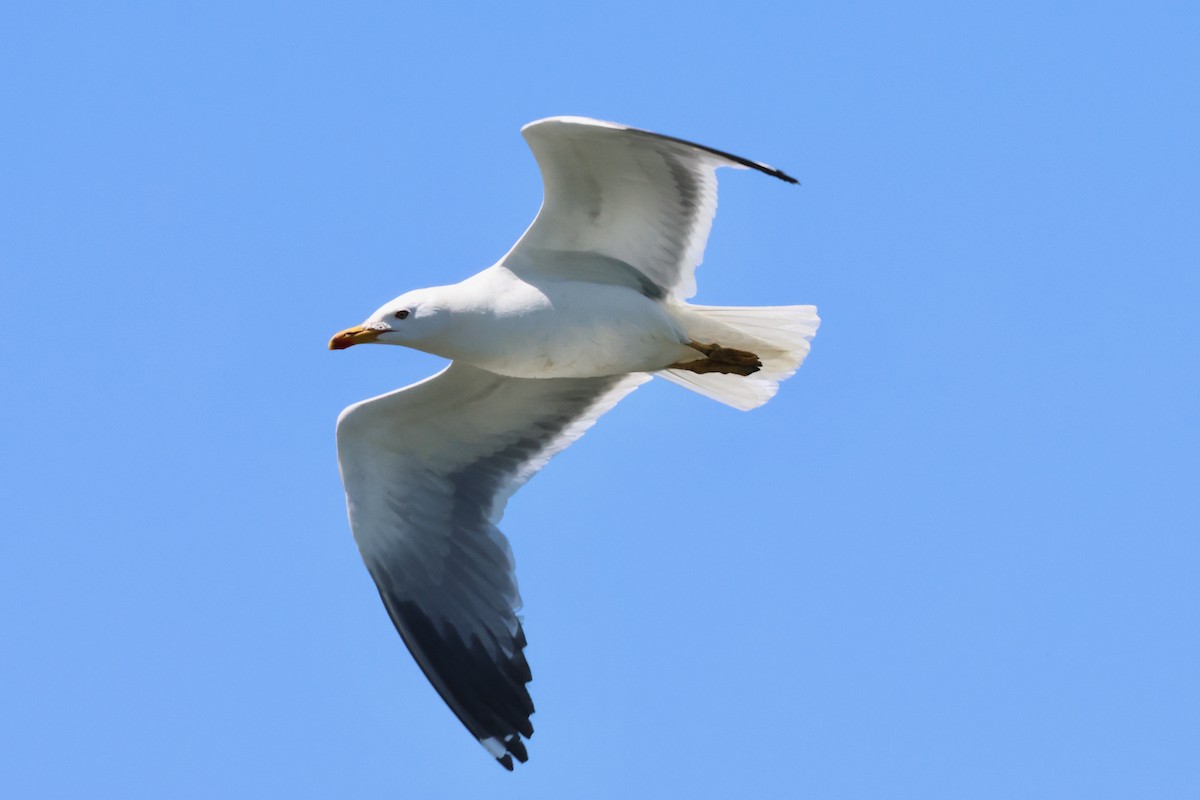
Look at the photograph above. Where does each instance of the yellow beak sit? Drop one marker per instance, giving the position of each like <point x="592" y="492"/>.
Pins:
<point x="352" y="336"/>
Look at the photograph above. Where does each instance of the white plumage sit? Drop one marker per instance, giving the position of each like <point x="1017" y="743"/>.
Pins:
<point x="586" y="306"/>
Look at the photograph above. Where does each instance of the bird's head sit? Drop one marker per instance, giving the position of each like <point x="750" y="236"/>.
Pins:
<point x="411" y="319"/>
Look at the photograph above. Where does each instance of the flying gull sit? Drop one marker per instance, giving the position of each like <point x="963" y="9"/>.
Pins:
<point x="588" y="305"/>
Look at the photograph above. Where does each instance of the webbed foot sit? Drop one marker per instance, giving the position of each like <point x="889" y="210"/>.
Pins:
<point x="726" y="360"/>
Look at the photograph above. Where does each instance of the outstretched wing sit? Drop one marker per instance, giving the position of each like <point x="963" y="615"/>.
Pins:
<point x="428" y="470"/>
<point x="637" y="199"/>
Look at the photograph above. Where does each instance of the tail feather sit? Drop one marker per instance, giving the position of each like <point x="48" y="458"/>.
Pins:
<point x="778" y="335"/>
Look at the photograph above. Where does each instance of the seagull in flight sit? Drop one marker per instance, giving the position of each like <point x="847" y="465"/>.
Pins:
<point x="586" y="306"/>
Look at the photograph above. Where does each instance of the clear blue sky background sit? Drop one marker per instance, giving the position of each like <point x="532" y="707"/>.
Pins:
<point x="957" y="556"/>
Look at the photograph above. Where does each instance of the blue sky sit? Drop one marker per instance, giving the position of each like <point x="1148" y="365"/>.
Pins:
<point x="955" y="557"/>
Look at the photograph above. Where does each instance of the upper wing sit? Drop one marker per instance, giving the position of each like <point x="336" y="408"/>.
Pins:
<point x="642" y="199"/>
<point x="428" y="470"/>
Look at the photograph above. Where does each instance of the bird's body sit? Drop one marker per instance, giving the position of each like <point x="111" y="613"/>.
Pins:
<point x="597" y="329"/>
<point x="589" y="304"/>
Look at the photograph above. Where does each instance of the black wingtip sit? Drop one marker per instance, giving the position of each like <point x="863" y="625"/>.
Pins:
<point x="517" y="748"/>
<point x="766" y="169"/>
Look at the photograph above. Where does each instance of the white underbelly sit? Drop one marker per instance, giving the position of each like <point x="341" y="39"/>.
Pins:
<point x="573" y="330"/>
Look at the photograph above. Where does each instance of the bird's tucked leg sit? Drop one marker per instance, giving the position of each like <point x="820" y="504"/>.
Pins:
<point x="720" y="359"/>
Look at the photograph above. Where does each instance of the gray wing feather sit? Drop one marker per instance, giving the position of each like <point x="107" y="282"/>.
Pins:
<point x="637" y="198"/>
<point x="428" y="470"/>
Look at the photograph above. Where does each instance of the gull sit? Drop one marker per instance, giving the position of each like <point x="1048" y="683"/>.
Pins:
<point x="588" y="305"/>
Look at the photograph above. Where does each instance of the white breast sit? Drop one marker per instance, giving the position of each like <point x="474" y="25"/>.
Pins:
<point x="560" y="329"/>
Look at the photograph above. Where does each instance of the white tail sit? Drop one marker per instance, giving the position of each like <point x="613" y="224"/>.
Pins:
<point x="778" y="335"/>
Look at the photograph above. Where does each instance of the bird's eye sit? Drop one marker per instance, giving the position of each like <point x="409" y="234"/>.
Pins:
<point x="402" y="314"/>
